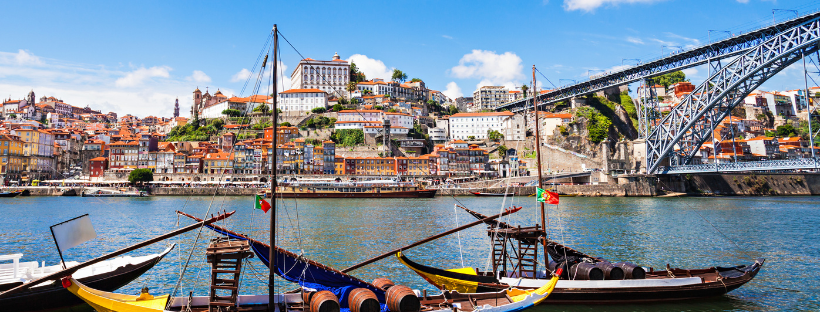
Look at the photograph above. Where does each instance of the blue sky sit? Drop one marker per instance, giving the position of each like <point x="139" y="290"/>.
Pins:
<point x="137" y="57"/>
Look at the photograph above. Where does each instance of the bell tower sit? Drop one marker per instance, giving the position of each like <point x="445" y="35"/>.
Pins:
<point x="176" y="108"/>
<point x="197" y="102"/>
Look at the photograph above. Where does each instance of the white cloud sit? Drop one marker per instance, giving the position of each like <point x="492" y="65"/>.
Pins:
<point x="447" y="37"/>
<point x="591" y="5"/>
<point x="492" y="68"/>
<point x="372" y="68"/>
<point x="242" y="75"/>
<point x="689" y="72"/>
<point x="453" y="91"/>
<point x="198" y="76"/>
<point x="634" y="40"/>
<point x="24" y="57"/>
<point x="140" y="75"/>
<point x="693" y="41"/>
<point x="743" y="1"/>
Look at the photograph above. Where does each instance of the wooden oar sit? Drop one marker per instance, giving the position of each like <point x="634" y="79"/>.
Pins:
<point x="69" y="271"/>
<point x="434" y="237"/>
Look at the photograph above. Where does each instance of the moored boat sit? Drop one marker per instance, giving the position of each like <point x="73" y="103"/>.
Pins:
<point x="107" y="275"/>
<point x="492" y="194"/>
<point x="10" y="193"/>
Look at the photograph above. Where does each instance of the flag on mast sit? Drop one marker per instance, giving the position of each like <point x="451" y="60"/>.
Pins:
<point x="260" y="203"/>
<point x="71" y="233"/>
<point x="545" y="196"/>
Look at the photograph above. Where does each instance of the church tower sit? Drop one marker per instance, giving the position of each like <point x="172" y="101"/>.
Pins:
<point x="176" y="108"/>
<point x="31" y="98"/>
<point x="197" y="102"/>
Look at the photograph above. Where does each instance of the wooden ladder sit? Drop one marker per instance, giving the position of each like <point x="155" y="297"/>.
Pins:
<point x="500" y="254"/>
<point x="527" y="257"/>
<point x="225" y="256"/>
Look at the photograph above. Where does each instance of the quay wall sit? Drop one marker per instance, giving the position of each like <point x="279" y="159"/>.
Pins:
<point x="748" y="184"/>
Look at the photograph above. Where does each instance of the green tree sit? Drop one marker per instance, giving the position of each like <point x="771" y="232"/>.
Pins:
<point x="378" y="107"/>
<point x="502" y="151"/>
<point x="494" y="135"/>
<point x="355" y="74"/>
<point x="13" y="116"/>
<point x="392" y="110"/>
<point x="318" y="110"/>
<point x="285" y="124"/>
<point x="524" y="89"/>
<point x="415" y="80"/>
<point x="351" y="86"/>
<point x="348" y="137"/>
<point x="786" y="130"/>
<point x="140" y="175"/>
<point x="231" y="112"/>
<point x="471" y="138"/>
<point x="398" y="75"/>
<point x="453" y="110"/>
<point x="669" y="79"/>
<point x="262" y="108"/>
<point x="337" y="107"/>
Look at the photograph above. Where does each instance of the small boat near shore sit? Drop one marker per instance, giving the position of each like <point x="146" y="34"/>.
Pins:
<point x="492" y="194"/>
<point x="11" y="193"/>
<point x="111" y="193"/>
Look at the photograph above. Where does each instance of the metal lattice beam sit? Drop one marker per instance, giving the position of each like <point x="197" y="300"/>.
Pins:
<point x="721" y="49"/>
<point x="681" y="133"/>
<point x="764" y="165"/>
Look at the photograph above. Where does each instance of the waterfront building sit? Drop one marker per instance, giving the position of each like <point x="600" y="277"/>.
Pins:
<point x="12" y="161"/>
<point x="97" y="167"/>
<point x="217" y="163"/>
<point x="330" y="77"/>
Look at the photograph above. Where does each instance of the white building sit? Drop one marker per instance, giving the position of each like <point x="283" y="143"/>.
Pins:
<point x="329" y="76"/>
<point x="490" y="97"/>
<point x="465" y="125"/>
<point x="438" y="135"/>
<point x="399" y="119"/>
<point x="549" y="122"/>
<point x="302" y="100"/>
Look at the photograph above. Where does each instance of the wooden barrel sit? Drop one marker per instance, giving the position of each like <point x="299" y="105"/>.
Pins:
<point x="631" y="270"/>
<point x="306" y="296"/>
<point x="402" y="299"/>
<point x="585" y="271"/>
<point x="553" y="266"/>
<point x="363" y="300"/>
<point x="324" y="301"/>
<point x="611" y="272"/>
<point x="383" y="283"/>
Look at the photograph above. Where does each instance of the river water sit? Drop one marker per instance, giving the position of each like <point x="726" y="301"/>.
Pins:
<point x="683" y="232"/>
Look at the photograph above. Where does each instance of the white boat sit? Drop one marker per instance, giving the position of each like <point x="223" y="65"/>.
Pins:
<point x="96" y="192"/>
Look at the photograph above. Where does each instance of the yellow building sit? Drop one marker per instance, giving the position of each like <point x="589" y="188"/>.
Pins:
<point x="11" y="157"/>
<point x="218" y="163"/>
<point x="418" y="166"/>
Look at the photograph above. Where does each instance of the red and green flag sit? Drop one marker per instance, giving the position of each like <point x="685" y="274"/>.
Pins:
<point x="260" y="203"/>
<point x="545" y="196"/>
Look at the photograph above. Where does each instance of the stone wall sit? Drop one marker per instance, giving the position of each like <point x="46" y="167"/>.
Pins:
<point x="753" y="184"/>
<point x="203" y="191"/>
<point x="557" y="160"/>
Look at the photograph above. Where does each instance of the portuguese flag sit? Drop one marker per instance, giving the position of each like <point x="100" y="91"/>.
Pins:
<point x="260" y="203"/>
<point x="548" y="197"/>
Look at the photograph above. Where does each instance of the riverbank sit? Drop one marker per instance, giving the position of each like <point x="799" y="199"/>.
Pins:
<point x="728" y="184"/>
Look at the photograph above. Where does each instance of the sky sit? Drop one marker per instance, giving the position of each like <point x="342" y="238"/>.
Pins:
<point x="138" y="57"/>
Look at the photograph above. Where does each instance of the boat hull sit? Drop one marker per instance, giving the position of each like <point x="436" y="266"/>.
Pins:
<point x="492" y="194"/>
<point x="396" y="194"/>
<point x="10" y="194"/>
<point x="53" y="298"/>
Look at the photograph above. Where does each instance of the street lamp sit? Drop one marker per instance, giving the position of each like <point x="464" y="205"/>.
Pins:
<point x="637" y="61"/>
<point x="775" y="10"/>
<point x="709" y="34"/>
<point x="670" y="46"/>
<point x="573" y="80"/>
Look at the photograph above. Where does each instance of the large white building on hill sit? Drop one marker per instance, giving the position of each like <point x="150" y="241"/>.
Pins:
<point x="329" y="76"/>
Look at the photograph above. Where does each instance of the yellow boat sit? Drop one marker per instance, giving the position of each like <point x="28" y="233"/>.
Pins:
<point x="103" y="301"/>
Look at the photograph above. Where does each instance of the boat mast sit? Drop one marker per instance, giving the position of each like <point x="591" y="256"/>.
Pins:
<point x="274" y="118"/>
<point x="538" y="163"/>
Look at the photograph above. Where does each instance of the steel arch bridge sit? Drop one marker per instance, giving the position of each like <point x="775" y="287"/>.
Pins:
<point x="679" y="135"/>
<point x="711" y="52"/>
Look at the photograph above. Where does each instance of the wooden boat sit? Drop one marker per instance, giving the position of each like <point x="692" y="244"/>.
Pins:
<point x="492" y="194"/>
<point x="107" y="275"/>
<point x="10" y="193"/>
<point x="353" y="189"/>
<point x="641" y="285"/>
<point x="111" y="193"/>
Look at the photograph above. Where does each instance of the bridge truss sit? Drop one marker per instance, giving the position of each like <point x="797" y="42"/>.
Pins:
<point x="677" y="61"/>
<point x="679" y="135"/>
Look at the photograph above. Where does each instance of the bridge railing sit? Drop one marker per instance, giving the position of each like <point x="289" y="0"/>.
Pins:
<point x="763" y="165"/>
